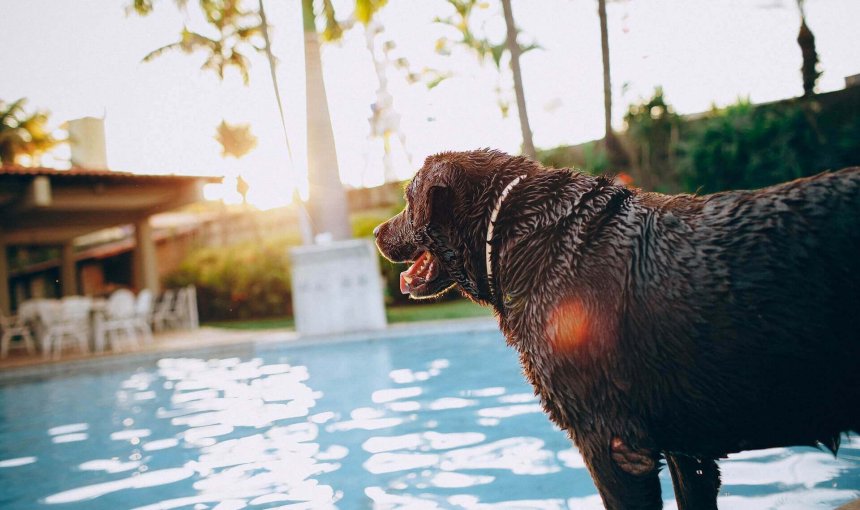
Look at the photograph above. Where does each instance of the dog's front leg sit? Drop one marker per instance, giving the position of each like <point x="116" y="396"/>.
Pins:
<point x="626" y="477"/>
<point x="696" y="481"/>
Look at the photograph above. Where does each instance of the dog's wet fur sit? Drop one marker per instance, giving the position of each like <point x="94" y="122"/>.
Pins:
<point x="680" y="328"/>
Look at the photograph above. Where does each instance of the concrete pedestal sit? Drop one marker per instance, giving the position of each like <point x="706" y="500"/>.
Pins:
<point x="337" y="288"/>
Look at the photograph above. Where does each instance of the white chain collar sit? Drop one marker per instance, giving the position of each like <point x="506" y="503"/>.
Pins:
<point x="491" y="225"/>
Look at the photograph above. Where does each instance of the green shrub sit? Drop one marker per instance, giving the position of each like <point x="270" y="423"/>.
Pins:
<point x="247" y="280"/>
<point x="745" y="146"/>
<point x="362" y="226"/>
<point x="652" y="128"/>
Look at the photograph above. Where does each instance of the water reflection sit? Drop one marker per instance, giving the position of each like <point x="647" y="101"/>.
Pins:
<point x="412" y="424"/>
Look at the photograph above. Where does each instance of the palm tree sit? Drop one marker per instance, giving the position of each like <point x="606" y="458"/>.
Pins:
<point x="328" y="204"/>
<point x="618" y="159"/>
<point x="236" y="141"/>
<point x="23" y="134"/>
<point x="806" y="41"/>
<point x="237" y="30"/>
<point x="515" y="50"/>
<point x="483" y="48"/>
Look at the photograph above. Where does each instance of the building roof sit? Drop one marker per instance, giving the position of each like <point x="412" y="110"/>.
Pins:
<point x="78" y="173"/>
<point x="41" y="205"/>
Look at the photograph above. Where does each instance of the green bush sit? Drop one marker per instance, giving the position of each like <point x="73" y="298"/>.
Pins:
<point x="652" y="128"/>
<point x="362" y="226"/>
<point x="247" y="280"/>
<point x="252" y="280"/>
<point x="745" y="146"/>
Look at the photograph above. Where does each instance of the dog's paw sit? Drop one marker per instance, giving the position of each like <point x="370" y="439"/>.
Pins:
<point x="635" y="462"/>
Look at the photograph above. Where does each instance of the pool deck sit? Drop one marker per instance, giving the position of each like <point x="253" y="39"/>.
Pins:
<point x="219" y="341"/>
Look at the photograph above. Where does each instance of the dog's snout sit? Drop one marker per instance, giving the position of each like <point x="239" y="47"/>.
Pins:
<point x="376" y="230"/>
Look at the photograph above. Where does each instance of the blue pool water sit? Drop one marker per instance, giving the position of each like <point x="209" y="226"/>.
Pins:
<point x="419" y="422"/>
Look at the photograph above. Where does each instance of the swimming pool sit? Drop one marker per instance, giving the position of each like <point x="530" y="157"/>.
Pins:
<point x="424" y="422"/>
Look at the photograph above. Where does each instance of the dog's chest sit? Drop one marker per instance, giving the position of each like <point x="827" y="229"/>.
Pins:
<point x="568" y="370"/>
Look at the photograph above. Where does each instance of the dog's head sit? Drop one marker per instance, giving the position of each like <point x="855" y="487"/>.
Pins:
<point x="442" y="231"/>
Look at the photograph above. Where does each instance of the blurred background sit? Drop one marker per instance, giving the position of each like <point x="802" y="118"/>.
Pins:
<point x="290" y="102"/>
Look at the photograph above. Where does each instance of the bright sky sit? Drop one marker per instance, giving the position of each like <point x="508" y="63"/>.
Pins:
<point x="83" y="58"/>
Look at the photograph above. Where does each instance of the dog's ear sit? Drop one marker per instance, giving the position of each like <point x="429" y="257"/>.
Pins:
<point x="434" y="194"/>
<point x="432" y="205"/>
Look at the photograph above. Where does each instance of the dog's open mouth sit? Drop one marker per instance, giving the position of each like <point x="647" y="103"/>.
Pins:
<point x="417" y="279"/>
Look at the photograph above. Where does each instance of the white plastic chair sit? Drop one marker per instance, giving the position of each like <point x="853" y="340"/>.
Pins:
<point x="11" y="327"/>
<point x="143" y="314"/>
<point x="164" y="316"/>
<point x="64" y="320"/>
<point x="118" y="321"/>
<point x="28" y="313"/>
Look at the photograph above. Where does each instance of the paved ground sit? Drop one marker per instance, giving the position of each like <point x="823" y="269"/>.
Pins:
<point x="19" y="363"/>
<point x="163" y="342"/>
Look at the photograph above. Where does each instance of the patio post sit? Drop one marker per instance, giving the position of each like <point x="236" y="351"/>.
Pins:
<point x="4" y="277"/>
<point x="68" y="275"/>
<point x="145" y="268"/>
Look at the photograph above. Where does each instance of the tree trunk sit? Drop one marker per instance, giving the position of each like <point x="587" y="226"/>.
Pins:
<point x="806" y="41"/>
<point x="607" y="84"/>
<point x="303" y="216"/>
<point x="515" y="51"/>
<point x="328" y="207"/>
<point x="618" y="159"/>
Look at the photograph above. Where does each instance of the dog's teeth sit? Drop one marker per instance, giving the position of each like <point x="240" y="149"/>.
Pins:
<point x="407" y="278"/>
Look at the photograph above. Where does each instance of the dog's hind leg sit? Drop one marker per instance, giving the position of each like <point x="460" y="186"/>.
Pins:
<point x="696" y="482"/>
<point x="625" y="477"/>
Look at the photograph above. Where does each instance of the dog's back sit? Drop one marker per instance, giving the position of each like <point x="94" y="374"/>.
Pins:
<point x="756" y="294"/>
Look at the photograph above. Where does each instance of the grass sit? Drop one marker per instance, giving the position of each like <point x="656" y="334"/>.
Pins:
<point x="458" y="309"/>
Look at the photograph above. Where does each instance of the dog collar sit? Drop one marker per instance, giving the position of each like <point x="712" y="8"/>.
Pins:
<point x="493" y="215"/>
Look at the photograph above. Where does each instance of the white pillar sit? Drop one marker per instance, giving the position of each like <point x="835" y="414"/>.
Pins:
<point x="4" y="278"/>
<point x="145" y="266"/>
<point x="68" y="274"/>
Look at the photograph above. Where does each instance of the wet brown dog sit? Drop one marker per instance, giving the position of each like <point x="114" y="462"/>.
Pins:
<point x="652" y="326"/>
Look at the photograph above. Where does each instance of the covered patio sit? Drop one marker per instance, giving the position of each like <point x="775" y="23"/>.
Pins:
<point x="50" y="207"/>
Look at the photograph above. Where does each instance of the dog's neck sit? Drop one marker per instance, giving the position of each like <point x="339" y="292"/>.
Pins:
<point x="491" y="226"/>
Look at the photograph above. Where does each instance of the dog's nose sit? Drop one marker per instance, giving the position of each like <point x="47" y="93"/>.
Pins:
<point x="376" y="231"/>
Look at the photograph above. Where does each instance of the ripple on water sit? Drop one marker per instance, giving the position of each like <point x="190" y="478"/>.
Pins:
<point x="232" y="434"/>
<point x="125" y="435"/>
<point x="17" y="462"/>
<point x="69" y="438"/>
<point x="68" y="429"/>
<point x="109" y="465"/>
<point x="138" y="481"/>
<point x="520" y="455"/>
<point x="390" y="394"/>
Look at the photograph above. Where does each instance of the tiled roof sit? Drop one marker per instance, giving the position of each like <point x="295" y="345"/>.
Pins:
<point x="87" y="172"/>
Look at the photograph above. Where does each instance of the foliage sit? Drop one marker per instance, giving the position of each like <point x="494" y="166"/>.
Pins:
<point x="589" y="157"/>
<point x="236" y="139"/>
<point x="473" y="36"/>
<point x="746" y="146"/>
<point x="653" y="127"/>
<point x="362" y="226"/>
<point x="742" y="146"/>
<point x="363" y="12"/>
<point x="460" y="309"/>
<point x="22" y="133"/>
<point x="240" y="281"/>
<point x="462" y="22"/>
<point x="809" y="69"/>
<point x="237" y="30"/>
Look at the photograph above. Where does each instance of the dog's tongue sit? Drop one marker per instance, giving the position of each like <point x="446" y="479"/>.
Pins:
<point x="413" y="277"/>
